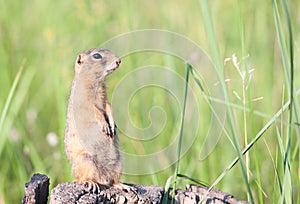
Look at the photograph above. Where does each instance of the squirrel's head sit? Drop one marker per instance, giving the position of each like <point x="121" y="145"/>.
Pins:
<point x="95" y="64"/>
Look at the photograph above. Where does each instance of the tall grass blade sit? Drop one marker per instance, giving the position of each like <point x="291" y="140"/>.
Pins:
<point x="288" y="62"/>
<point x="188" y="68"/>
<point x="166" y="191"/>
<point x="244" y="68"/>
<point x="8" y="103"/>
<point x="208" y="99"/>
<point x="276" y="167"/>
<point x="197" y="181"/>
<point x="219" y="67"/>
<point x="253" y="141"/>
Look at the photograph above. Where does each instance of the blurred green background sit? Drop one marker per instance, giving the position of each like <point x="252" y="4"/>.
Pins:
<point x="44" y="38"/>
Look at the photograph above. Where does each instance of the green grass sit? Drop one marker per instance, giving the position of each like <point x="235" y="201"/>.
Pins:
<point x="257" y="155"/>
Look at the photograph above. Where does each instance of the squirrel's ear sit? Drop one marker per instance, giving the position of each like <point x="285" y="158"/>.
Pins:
<point x="78" y="63"/>
<point x="79" y="59"/>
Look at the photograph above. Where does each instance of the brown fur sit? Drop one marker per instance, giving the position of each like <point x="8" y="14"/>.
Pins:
<point x="91" y="142"/>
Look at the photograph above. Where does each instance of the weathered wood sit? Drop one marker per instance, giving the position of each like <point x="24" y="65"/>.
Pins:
<point x="195" y="194"/>
<point x="75" y="193"/>
<point x="36" y="190"/>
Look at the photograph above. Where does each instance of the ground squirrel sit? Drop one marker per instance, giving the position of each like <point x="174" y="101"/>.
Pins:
<point x="91" y="141"/>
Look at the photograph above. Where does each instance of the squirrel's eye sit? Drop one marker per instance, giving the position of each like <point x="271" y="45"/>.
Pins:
<point x="97" y="56"/>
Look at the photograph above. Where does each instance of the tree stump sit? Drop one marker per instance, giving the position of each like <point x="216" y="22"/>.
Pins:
<point x="36" y="190"/>
<point x="73" y="192"/>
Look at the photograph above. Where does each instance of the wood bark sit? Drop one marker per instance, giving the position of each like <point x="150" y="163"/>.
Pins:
<point x="73" y="192"/>
<point x="36" y="190"/>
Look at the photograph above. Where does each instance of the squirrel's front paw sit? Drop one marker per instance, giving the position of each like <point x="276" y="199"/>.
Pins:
<point x="92" y="187"/>
<point x="107" y="130"/>
<point x="126" y="188"/>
